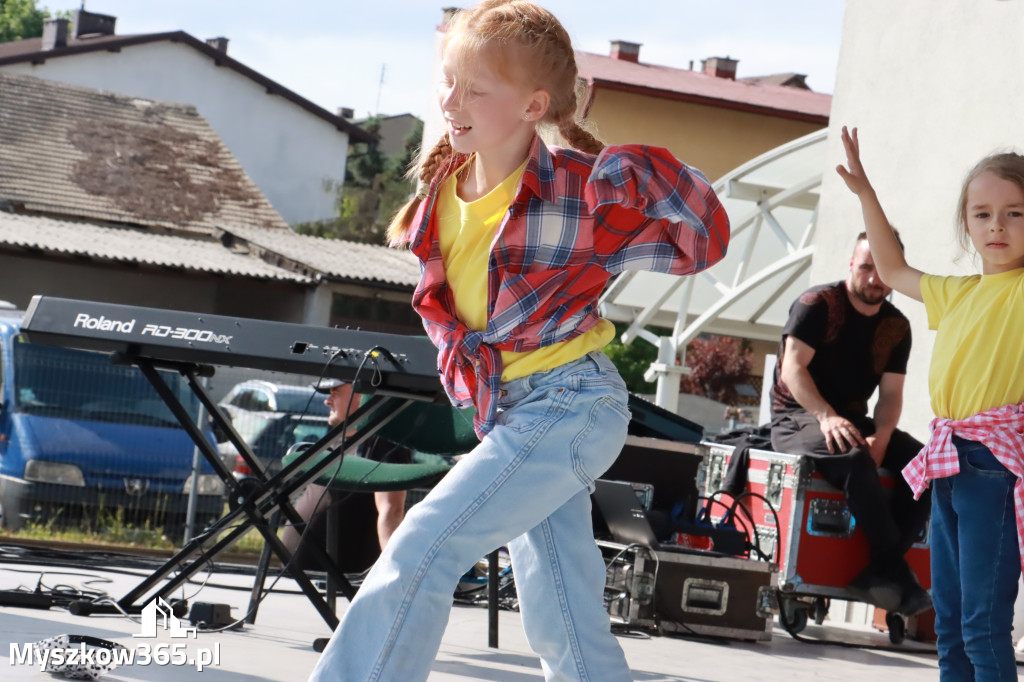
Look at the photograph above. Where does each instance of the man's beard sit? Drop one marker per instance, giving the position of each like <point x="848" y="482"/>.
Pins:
<point x="863" y="295"/>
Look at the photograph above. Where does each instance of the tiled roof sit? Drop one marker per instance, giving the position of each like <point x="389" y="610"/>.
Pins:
<point x="791" y="80"/>
<point x="666" y="81"/>
<point x="126" y="245"/>
<point x="330" y="258"/>
<point x="87" y="153"/>
<point x="30" y="50"/>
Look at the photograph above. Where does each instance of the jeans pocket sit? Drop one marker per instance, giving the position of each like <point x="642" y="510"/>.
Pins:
<point x="980" y="460"/>
<point x="528" y="414"/>
<point x="597" y="446"/>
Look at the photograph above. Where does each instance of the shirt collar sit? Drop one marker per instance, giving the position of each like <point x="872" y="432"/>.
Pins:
<point x="539" y="176"/>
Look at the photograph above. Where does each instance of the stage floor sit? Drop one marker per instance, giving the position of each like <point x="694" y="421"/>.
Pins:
<point x="279" y="645"/>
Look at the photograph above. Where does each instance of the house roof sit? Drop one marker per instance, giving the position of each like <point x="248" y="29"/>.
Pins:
<point x="93" y="174"/>
<point x="137" y="246"/>
<point x="332" y="259"/>
<point x="30" y="50"/>
<point x="245" y="252"/>
<point x="79" y="152"/>
<point x="602" y="71"/>
<point x="790" y="80"/>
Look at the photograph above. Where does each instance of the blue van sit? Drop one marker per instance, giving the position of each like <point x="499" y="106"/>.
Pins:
<point x="84" y="440"/>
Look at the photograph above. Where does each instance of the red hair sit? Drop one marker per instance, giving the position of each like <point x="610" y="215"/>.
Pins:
<point x="544" y="59"/>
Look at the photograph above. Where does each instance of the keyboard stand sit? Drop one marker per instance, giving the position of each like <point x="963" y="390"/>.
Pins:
<point x="271" y="494"/>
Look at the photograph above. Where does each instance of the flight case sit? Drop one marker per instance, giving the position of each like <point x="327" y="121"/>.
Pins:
<point x="819" y="548"/>
<point x="689" y="592"/>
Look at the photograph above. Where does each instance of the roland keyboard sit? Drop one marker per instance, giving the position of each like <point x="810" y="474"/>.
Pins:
<point x="390" y="363"/>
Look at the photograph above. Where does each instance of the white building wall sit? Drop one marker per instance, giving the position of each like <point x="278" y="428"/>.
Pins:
<point x="288" y="152"/>
<point x="933" y="87"/>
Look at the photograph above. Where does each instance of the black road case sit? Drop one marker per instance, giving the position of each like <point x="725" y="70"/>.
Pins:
<point x="689" y="592"/>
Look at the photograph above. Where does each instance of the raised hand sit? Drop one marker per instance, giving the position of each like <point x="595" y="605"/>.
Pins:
<point x="853" y="173"/>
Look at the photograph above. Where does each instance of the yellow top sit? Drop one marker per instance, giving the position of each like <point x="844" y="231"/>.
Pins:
<point x="978" y="358"/>
<point x="466" y="231"/>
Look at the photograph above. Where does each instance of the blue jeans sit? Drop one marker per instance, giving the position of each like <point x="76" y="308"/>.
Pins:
<point x="526" y="485"/>
<point x="975" y="568"/>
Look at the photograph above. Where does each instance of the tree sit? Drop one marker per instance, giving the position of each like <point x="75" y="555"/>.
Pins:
<point x="632" y="360"/>
<point x="21" y="19"/>
<point x="717" y="364"/>
<point x="375" y="188"/>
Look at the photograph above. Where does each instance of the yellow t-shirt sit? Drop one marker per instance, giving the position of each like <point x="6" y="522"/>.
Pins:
<point x="466" y="231"/>
<point x="978" y="358"/>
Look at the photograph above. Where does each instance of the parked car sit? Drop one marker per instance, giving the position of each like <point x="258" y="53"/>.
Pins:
<point x="82" y="438"/>
<point x="270" y="418"/>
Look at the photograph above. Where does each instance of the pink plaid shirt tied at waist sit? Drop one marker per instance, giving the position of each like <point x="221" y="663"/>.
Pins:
<point x="576" y="220"/>
<point x="1000" y="429"/>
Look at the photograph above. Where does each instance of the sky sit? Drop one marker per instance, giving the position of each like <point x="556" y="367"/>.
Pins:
<point x="333" y="52"/>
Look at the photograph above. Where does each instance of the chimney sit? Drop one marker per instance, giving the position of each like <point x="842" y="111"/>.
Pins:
<point x="87" y="23"/>
<point x="55" y="34"/>
<point x="219" y="44"/>
<point x="720" y="67"/>
<point x="626" y="51"/>
<point x="347" y="113"/>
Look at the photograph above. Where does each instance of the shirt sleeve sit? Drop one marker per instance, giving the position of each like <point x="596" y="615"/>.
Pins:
<point x="808" y="318"/>
<point x="936" y="292"/>
<point x="900" y="355"/>
<point x="653" y="212"/>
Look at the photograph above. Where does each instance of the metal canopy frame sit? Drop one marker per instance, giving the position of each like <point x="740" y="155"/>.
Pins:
<point x="772" y="202"/>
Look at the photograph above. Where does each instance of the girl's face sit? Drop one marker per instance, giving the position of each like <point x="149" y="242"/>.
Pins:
<point x="483" y="112"/>
<point x="995" y="222"/>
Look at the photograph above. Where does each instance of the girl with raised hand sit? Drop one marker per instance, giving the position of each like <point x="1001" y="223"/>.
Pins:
<point x="974" y="459"/>
<point x="517" y="240"/>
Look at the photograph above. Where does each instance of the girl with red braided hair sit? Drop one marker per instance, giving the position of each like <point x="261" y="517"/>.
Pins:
<point x="516" y="241"/>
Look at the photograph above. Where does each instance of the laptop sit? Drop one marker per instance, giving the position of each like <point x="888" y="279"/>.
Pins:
<point x="626" y="518"/>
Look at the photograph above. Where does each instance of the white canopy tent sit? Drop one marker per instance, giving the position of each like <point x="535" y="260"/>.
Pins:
<point x="772" y="202"/>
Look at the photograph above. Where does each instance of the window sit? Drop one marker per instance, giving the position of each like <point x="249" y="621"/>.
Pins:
<point x="374" y="314"/>
<point x="85" y="385"/>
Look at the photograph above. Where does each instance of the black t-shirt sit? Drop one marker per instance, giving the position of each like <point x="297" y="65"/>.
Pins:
<point x="851" y="351"/>
<point x="381" y="450"/>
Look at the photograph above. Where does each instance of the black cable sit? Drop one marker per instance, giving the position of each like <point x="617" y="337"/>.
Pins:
<point x="100" y="596"/>
<point x="768" y="505"/>
<point x="375" y="381"/>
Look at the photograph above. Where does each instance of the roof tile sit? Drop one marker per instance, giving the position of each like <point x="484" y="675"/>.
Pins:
<point x="125" y="245"/>
<point x="335" y="258"/>
<point x="92" y="154"/>
<point x="748" y="93"/>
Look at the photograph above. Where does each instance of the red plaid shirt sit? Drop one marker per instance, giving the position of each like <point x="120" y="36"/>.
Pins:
<point x="1001" y="429"/>
<point x="576" y="220"/>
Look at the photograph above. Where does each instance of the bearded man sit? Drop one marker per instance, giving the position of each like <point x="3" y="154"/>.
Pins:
<point x="843" y="341"/>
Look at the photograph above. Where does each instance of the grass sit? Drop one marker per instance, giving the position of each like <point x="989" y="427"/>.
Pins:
<point x="111" y="529"/>
<point x="108" y="528"/>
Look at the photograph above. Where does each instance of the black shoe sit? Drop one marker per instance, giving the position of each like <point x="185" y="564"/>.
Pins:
<point x="870" y="588"/>
<point x="915" y="601"/>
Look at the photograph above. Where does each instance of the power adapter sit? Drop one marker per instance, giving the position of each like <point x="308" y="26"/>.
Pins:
<point x="209" y="615"/>
<point x="24" y="599"/>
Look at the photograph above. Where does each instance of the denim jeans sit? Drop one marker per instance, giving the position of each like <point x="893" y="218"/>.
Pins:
<point x="526" y="485"/>
<point x="975" y="568"/>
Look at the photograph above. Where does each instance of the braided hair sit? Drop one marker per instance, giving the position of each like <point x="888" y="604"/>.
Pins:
<point x="543" y="59"/>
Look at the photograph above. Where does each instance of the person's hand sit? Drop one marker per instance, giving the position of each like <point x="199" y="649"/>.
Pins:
<point x="840" y="434"/>
<point x="853" y="173"/>
<point x="876" y="448"/>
